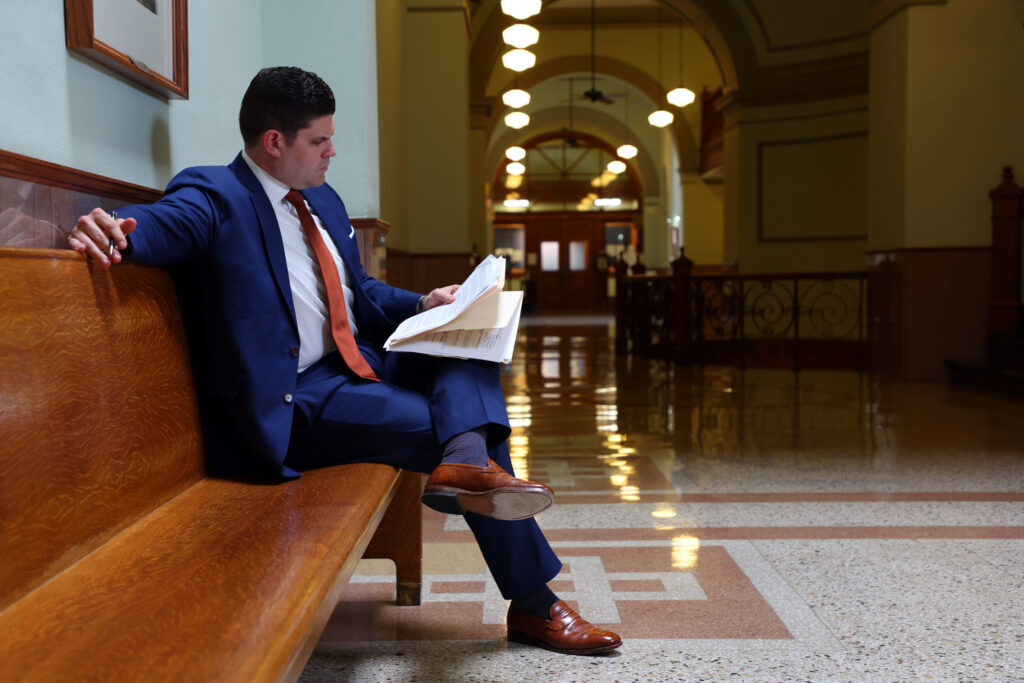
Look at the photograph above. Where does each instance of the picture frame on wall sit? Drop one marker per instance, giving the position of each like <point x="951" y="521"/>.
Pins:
<point x="144" y="40"/>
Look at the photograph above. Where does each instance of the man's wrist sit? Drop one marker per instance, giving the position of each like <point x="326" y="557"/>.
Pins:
<point x="421" y="303"/>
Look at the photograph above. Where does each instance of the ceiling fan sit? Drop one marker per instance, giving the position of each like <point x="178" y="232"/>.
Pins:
<point x="570" y="139"/>
<point x="595" y="95"/>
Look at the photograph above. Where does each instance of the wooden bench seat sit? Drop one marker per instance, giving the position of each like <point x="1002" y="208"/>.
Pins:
<point x="121" y="559"/>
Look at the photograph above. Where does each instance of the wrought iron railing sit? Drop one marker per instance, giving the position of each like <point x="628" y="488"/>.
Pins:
<point x="794" y="320"/>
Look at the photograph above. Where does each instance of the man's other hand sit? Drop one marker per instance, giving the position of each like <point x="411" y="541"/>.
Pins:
<point x="440" y="296"/>
<point x="91" y="236"/>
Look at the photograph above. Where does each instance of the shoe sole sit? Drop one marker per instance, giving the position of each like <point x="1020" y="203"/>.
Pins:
<point x="506" y="505"/>
<point x="517" y="637"/>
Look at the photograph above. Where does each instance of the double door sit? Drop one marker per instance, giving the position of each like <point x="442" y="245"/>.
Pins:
<point x="563" y="268"/>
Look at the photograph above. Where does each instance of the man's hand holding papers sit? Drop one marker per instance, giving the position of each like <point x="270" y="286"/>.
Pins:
<point x="481" y="323"/>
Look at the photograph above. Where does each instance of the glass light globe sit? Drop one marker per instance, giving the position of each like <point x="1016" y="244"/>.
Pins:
<point x="515" y="98"/>
<point x="515" y="168"/>
<point x="660" y="118"/>
<point x="517" y="119"/>
<point x="518" y="60"/>
<point x="616" y="166"/>
<point x="520" y="35"/>
<point x="520" y="9"/>
<point x="515" y="153"/>
<point x="626" y="151"/>
<point x="681" y="97"/>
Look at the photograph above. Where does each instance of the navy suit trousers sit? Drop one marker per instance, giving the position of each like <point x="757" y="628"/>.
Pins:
<point x="420" y="403"/>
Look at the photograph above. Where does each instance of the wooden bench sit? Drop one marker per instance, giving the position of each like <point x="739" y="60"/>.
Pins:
<point x="119" y="558"/>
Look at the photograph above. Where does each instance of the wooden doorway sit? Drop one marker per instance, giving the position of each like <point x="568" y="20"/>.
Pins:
<point x="565" y="260"/>
<point x="565" y="271"/>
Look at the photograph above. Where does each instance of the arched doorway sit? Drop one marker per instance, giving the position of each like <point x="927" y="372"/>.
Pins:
<point x="564" y="217"/>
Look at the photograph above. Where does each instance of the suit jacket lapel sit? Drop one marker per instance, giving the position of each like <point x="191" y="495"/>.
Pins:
<point x="340" y="231"/>
<point x="270" y="232"/>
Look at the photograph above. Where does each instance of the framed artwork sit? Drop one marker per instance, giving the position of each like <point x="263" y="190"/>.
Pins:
<point x="145" y="40"/>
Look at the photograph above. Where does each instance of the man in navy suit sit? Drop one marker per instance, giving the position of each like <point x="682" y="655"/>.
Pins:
<point x="279" y="397"/>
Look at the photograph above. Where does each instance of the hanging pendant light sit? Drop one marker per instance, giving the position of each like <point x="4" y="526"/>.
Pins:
<point x="518" y="60"/>
<point x="517" y="119"/>
<point x="515" y="168"/>
<point x="627" y="150"/>
<point x="515" y="98"/>
<point x="520" y="9"/>
<point x="616" y="166"/>
<point x="520" y="35"/>
<point x="681" y="96"/>
<point x="660" y="118"/>
<point x="515" y="153"/>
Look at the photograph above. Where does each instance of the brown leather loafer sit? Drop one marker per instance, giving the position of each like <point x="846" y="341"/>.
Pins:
<point x="566" y="631"/>
<point x="491" y="491"/>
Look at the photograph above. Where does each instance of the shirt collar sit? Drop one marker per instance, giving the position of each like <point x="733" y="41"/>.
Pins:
<point x="275" y="189"/>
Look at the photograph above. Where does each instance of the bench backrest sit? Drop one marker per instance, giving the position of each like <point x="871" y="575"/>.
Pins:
<point x="99" y="422"/>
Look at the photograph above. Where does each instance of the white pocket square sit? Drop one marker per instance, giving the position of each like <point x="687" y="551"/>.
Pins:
<point x="351" y="231"/>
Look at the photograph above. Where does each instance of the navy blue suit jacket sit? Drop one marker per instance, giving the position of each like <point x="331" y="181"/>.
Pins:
<point x="218" y="220"/>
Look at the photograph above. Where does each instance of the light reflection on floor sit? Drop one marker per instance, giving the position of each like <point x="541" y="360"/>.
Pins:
<point x="770" y="524"/>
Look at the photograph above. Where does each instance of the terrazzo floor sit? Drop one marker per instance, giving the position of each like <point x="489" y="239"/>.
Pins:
<point x="761" y="525"/>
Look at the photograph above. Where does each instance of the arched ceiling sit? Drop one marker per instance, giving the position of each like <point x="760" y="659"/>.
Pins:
<point x="759" y="52"/>
<point x="763" y="53"/>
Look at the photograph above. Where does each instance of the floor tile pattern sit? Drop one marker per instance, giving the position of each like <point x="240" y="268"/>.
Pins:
<point x="764" y="525"/>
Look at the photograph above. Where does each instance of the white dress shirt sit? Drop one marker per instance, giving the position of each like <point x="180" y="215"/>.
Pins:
<point x="307" y="285"/>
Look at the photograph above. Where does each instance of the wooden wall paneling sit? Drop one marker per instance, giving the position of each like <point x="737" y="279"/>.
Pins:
<point x="1005" y="314"/>
<point x="927" y="305"/>
<point x="425" y="272"/>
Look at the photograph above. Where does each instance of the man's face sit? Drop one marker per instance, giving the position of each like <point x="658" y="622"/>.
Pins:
<point x="304" y="162"/>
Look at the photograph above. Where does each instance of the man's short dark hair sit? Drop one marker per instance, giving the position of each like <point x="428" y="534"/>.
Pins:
<point x="283" y="98"/>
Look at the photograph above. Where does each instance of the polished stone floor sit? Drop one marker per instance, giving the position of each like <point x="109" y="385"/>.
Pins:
<point x="758" y="524"/>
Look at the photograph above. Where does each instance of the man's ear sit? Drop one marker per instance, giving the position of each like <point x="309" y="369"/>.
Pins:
<point x="273" y="142"/>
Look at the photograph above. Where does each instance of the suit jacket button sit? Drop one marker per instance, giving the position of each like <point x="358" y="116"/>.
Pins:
<point x="294" y="352"/>
<point x="288" y="398"/>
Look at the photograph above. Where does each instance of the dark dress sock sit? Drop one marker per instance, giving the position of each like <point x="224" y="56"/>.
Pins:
<point x="538" y="603"/>
<point x="468" y="448"/>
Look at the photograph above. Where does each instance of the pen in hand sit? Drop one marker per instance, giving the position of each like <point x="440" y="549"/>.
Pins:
<point x="110" y="253"/>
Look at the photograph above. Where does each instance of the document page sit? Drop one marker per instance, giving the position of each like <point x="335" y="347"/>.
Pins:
<point x="493" y="343"/>
<point x="486" y="279"/>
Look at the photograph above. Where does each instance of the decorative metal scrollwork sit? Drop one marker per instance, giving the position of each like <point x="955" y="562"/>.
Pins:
<point x="831" y="308"/>
<point x="769" y="308"/>
<point x="721" y="306"/>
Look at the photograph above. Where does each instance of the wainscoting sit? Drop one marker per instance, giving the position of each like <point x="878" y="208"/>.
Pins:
<point x="424" y="272"/>
<point x="926" y="305"/>
<point x="40" y="203"/>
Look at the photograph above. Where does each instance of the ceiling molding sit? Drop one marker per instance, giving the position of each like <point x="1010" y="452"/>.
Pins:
<point x="772" y="47"/>
<point x="884" y="10"/>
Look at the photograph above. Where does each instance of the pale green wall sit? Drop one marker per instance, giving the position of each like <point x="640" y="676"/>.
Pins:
<point x="337" y="40"/>
<point x="63" y="108"/>
<point x="391" y="117"/>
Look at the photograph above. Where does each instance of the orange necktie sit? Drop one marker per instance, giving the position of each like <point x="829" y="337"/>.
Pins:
<point x="340" y="329"/>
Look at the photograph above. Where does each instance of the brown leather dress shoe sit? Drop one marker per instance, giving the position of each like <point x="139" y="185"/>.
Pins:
<point x="458" y="488"/>
<point x="565" y="632"/>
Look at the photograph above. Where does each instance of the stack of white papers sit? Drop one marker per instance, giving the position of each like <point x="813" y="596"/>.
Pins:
<point x="481" y="323"/>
